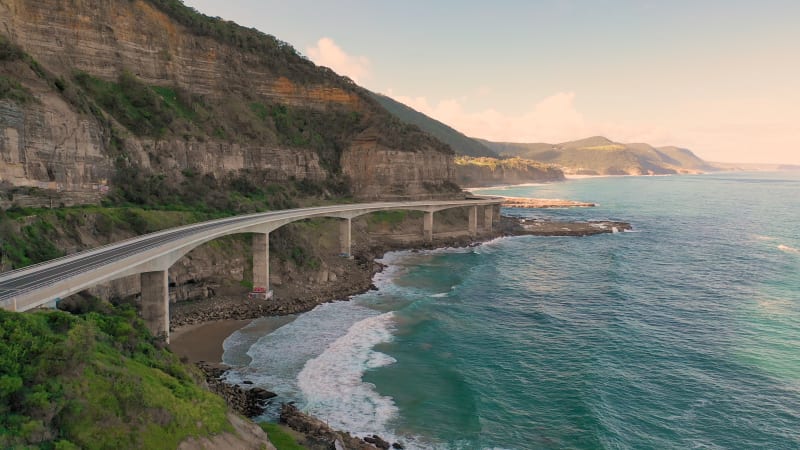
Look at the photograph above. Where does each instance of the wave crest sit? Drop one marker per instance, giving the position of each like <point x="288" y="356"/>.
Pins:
<point x="332" y="386"/>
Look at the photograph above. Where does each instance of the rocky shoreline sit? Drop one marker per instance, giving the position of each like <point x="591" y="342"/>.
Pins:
<point x="519" y="202"/>
<point x="358" y="282"/>
<point x="250" y="401"/>
<point x="320" y="436"/>
<point x="360" y="279"/>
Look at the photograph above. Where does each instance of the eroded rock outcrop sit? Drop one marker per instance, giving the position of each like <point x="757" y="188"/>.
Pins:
<point x="52" y="144"/>
<point x="379" y="172"/>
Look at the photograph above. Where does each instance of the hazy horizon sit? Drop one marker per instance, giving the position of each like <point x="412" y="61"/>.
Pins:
<point x="717" y="77"/>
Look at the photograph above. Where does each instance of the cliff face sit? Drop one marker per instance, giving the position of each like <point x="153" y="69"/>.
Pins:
<point x="476" y="176"/>
<point x="477" y="172"/>
<point x="377" y="171"/>
<point x="51" y="143"/>
<point x="44" y="143"/>
<point x="104" y="38"/>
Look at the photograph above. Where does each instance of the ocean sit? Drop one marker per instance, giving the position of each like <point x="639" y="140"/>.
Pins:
<point x="684" y="333"/>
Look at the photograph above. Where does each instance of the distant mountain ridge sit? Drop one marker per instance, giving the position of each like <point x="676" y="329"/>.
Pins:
<point x="460" y="143"/>
<point x="598" y="155"/>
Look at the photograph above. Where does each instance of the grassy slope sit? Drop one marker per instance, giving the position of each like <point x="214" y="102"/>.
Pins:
<point x="96" y="381"/>
<point x="280" y="437"/>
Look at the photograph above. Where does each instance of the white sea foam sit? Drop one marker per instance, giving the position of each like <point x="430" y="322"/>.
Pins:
<point x="332" y="382"/>
<point x="278" y="357"/>
<point x="787" y="249"/>
<point x="760" y="237"/>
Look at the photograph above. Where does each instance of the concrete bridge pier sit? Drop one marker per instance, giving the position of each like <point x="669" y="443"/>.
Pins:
<point x="261" y="262"/>
<point x="427" y="226"/>
<point x="345" y="236"/>
<point x="473" y="221"/>
<point x="488" y="217"/>
<point x="155" y="302"/>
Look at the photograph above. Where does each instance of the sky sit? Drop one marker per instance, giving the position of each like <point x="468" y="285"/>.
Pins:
<point x="721" y="77"/>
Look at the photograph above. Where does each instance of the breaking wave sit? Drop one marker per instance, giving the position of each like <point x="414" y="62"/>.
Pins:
<point x="332" y="386"/>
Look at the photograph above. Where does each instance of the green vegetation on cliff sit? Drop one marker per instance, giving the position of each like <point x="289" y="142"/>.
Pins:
<point x="460" y="143"/>
<point x="486" y="171"/>
<point x="273" y="53"/>
<point x="11" y="90"/>
<point x="141" y="109"/>
<point x="94" y="381"/>
<point x="501" y="163"/>
<point x="280" y="438"/>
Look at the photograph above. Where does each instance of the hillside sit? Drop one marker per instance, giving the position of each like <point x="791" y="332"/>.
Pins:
<point x="129" y="97"/>
<point x="478" y="172"/>
<point x="460" y="143"/>
<point x="478" y="165"/>
<point x="102" y="381"/>
<point x="600" y="156"/>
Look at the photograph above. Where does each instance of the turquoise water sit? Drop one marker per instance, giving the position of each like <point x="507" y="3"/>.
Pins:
<point x="682" y="334"/>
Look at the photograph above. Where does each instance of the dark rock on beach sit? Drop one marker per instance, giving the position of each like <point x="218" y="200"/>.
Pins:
<point x="248" y="402"/>
<point x="377" y="442"/>
<point x="320" y="436"/>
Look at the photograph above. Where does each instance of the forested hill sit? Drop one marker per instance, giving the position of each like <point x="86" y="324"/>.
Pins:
<point x="600" y="156"/>
<point x="460" y="143"/>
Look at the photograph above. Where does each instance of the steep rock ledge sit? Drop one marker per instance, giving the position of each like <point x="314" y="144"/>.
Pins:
<point x="51" y="144"/>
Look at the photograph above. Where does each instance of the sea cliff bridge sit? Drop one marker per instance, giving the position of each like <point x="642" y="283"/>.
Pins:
<point x="151" y="255"/>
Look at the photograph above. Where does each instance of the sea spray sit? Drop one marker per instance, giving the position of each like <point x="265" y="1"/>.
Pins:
<point x="332" y="386"/>
<point x="277" y="358"/>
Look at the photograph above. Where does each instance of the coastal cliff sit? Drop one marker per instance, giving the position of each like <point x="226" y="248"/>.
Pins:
<point x="477" y="172"/>
<point x="221" y="99"/>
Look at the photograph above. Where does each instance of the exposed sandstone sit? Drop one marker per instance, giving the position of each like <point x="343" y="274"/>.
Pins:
<point x="47" y="145"/>
<point x="376" y="171"/>
<point x="103" y="38"/>
<point x="54" y="146"/>
<point x="472" y="175"/>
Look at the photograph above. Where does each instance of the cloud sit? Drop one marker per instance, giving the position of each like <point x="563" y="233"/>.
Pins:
<point x="552" y="119"/>
<point x="328" y="53"/>
<point x="738" y="130"/>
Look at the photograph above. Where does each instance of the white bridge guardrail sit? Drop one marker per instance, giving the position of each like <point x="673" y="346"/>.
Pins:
<point x="172" y="238"/>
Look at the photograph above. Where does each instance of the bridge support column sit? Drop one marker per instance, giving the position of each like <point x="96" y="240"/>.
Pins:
<point x="155" y="302"/>
<point x="261" y="263"/>
<point x="488" y="217"/>
<point x="345" y="237"/>
<point x="473" y="220"/>
<point x="427" y="226"/>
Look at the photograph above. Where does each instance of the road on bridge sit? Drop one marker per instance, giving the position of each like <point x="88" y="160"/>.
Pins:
<point x="25" y="283"/>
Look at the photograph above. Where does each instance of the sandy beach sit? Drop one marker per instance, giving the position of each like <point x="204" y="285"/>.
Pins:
<point x="203" y="341"/>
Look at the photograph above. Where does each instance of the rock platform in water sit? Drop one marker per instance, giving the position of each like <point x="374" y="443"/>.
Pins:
<point x="518" y="202"/>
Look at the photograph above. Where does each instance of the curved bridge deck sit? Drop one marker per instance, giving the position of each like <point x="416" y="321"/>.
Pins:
<point x="151" y="255"/>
